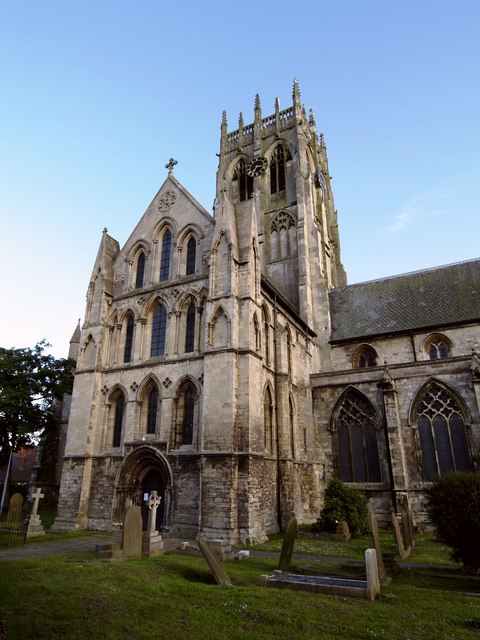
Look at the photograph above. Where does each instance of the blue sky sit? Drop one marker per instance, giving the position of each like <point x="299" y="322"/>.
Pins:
<point x="95" y="97"/>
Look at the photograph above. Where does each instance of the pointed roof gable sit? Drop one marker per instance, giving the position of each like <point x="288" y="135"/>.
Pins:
<point x="171" y="199"/>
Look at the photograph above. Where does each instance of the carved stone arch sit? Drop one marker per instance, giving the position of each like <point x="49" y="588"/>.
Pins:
<point x="149" y="379"/>
<point x="417" y="398"/>
<point x="354" y="392"/>
<point x="232" y="167"/>
<point x="363" y="356"/>
<point x="441" y="422"/>
<point x="181" y="382"/>
<point x="355" y="426"/>
<point x="219" y="328"/>
<point x="114" y="390"/>
<point x="128" y="311"/>
<point x="144" y="467"/>
<point x="136" y="248"/>
<point x="153" y="301"/>
<point x="187" y="297"/>
<point x="114" y="416"/>
<point x="162" y="225"/>
<point x="288" y="147"/>
<point x="191" y="229"/>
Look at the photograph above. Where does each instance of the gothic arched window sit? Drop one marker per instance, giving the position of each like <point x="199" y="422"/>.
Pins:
<point x="127" y="353"/>
<point x="243" y="180"/>
<point x="441" y="429"/>
<point x="152" y="410"/>
<point x="278" y="165"/>
<point x="191" y="255"/>
<point x="364" y="356"/>
<point x="165" y="256"/>
<point x="159" y="330"/>
<point x="118" y="411"/>
<point x="356" y="435"/>
<point x="140" y="271"/>
<point x="190" y="329"/>
<point x="437" y="346"/>
<point x="268" y="420"/>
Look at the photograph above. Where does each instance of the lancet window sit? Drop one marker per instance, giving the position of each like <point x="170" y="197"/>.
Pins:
<point x="127" y="353"/>
<point x="191" y="256"/>
<point x="159" y="330"/>
<point x="166" y="256"/>
<point x="139" y="279"/>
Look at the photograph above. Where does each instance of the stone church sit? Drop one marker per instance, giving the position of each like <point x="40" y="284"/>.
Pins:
<point x="225" y="363"/>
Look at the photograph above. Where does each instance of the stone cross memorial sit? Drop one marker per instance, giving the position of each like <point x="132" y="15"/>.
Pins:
<point x="35" y="527"/>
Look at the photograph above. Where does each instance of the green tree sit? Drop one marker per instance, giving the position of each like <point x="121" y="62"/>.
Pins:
<point x="453" y="507"/>
<point x="30" y="382"/>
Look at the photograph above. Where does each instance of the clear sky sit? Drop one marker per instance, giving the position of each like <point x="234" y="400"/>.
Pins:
<point x="97" y="95"/>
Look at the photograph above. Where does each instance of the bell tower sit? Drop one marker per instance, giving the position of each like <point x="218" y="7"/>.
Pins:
<point x="274" y="173"/>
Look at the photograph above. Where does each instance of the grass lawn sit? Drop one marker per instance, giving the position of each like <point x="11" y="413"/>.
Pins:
<point x="174" y="597"/>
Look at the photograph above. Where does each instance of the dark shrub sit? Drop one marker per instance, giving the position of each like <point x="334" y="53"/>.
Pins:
<point x="453" y="506"/>
<point x="343" y="503"/>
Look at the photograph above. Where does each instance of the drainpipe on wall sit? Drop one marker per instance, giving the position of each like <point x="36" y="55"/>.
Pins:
<point x="277" y="442"/>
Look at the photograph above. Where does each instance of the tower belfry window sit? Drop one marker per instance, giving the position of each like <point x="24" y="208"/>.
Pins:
<point x="243" y="180"/>
<point x="278" y="172"/>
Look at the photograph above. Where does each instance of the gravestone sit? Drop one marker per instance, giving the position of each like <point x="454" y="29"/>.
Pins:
<point x="287" y="546"/>
<point x="15" y="505"/>
<point x="373" y="526"/>
<point x="402" y="551"/>
<point x="343" y="531"/>
<point x="132" y="533"/>
<point x="371" y="570"/>
<point x="213" y="562"/>
<point x="35" y="527"/>
<point x="152" y="544"/>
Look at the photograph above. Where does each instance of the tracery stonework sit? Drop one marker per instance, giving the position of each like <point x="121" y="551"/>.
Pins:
<point x="282" y="220"/>
<point x="167" y="200"/>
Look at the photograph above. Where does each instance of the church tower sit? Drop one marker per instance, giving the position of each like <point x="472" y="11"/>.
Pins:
<point x="274" y="173"/>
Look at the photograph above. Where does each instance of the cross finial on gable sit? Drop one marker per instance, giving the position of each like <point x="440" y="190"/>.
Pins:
<point x="170" y="164"/>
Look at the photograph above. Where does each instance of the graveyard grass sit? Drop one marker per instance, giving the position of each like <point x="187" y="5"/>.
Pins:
<point x="175" y="596"/>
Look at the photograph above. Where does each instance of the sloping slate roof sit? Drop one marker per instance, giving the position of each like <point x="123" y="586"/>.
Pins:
<point x="436" y="297"/>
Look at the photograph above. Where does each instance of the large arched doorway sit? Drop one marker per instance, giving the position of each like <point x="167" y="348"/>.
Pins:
<point x="144" y="470"/>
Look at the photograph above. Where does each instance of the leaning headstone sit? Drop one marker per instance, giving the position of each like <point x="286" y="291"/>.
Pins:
<point x="213" y="562"/>
<point x="287" y="546"/>
<point x="371" y="570"/>
<point x="402" y="551"/>
<point x="132" y="533"/>
<point x="35" y="527"/>
<point x="373" y="526"/>
<point x="15" y="505"/>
